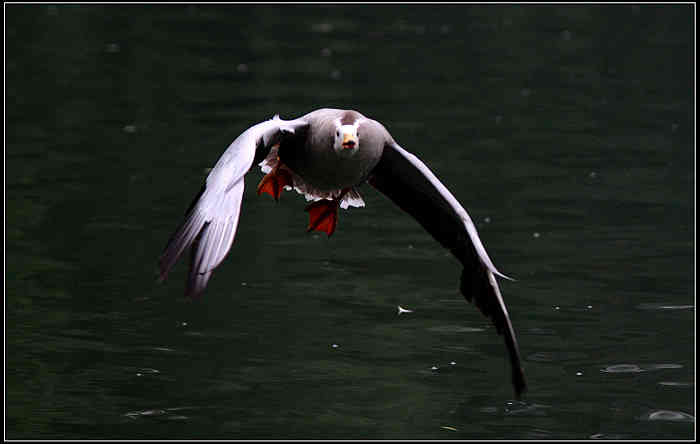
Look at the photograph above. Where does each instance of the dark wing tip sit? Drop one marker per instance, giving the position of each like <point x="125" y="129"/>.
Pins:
<point x="196" y="284"/>
<point x="519" y="382"/>
<point x="180" y="239"/>
<point x="196" y="279"/>
<point x="477" y="288"/>
<point x="162" y="274"/>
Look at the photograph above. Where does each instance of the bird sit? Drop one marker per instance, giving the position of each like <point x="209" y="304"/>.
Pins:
<point x="326" y="155"/>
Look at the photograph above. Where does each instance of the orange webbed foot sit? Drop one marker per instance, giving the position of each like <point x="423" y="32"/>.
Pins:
<point x="274" y="182"/>
<point x="323" y="216"/>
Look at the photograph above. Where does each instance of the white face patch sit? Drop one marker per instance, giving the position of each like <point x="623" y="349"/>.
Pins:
<point x="348" y="129"/>
<point x="346" y="138"/>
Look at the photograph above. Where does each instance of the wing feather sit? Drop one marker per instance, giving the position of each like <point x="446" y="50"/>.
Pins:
<point x="409" y="183"/>
<point x="210" y="223"/>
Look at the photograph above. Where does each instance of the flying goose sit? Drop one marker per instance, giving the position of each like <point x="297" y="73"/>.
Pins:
<point x="326" y="155"/>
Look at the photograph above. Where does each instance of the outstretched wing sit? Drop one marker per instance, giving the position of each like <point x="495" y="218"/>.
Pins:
<point x="408" y="182"/>
<point x="211" y="221"/>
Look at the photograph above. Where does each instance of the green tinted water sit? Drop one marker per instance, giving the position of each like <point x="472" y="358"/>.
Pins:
<point x="566" y="132"/>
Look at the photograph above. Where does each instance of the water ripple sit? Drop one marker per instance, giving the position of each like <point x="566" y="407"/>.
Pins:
<point x="662" y="306"/>
<point x="542" y="331"/>
<point x="454" y="329"/>
<point x="456" y="348"/>
<point x="522" y="408"/>
<point x="612" y="436"/>
<point x="164" y="349"/>
<point x="675" y="384"/>
<point x="147" y="371"/>
<point x="662" y="366"/>
<point x="547" y="356"/>
<point x="668" y="415"/>
<point x="168" y="413"/>
<point x="622" y="368"/>
<point x="150" y="412"/>
<point x="634" y="368"/>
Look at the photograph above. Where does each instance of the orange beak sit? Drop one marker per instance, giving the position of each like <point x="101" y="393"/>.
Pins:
<point x="349" y="141"/>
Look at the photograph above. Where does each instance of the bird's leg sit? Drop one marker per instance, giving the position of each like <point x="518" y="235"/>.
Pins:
<point x="274" y="182"/>
<point x="323" y="214"/>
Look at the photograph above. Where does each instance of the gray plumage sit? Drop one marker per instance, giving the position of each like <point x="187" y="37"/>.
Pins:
<point x="310" y="148"/>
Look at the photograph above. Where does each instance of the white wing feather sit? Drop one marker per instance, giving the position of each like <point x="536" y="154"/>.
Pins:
<point x="210" y="226"/>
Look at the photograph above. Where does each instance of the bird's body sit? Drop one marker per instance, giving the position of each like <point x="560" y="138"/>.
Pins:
<point x="325" y="155"/>
<point x="320" y="172"/>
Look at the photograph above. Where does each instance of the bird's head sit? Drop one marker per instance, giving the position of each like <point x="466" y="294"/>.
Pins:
<point x="346" y="139"/>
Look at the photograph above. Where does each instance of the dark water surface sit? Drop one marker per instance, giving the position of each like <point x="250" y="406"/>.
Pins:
<point x="566" y="132"/>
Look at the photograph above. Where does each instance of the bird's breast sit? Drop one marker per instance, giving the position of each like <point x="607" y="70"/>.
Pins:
<point x="321" y="167"/>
